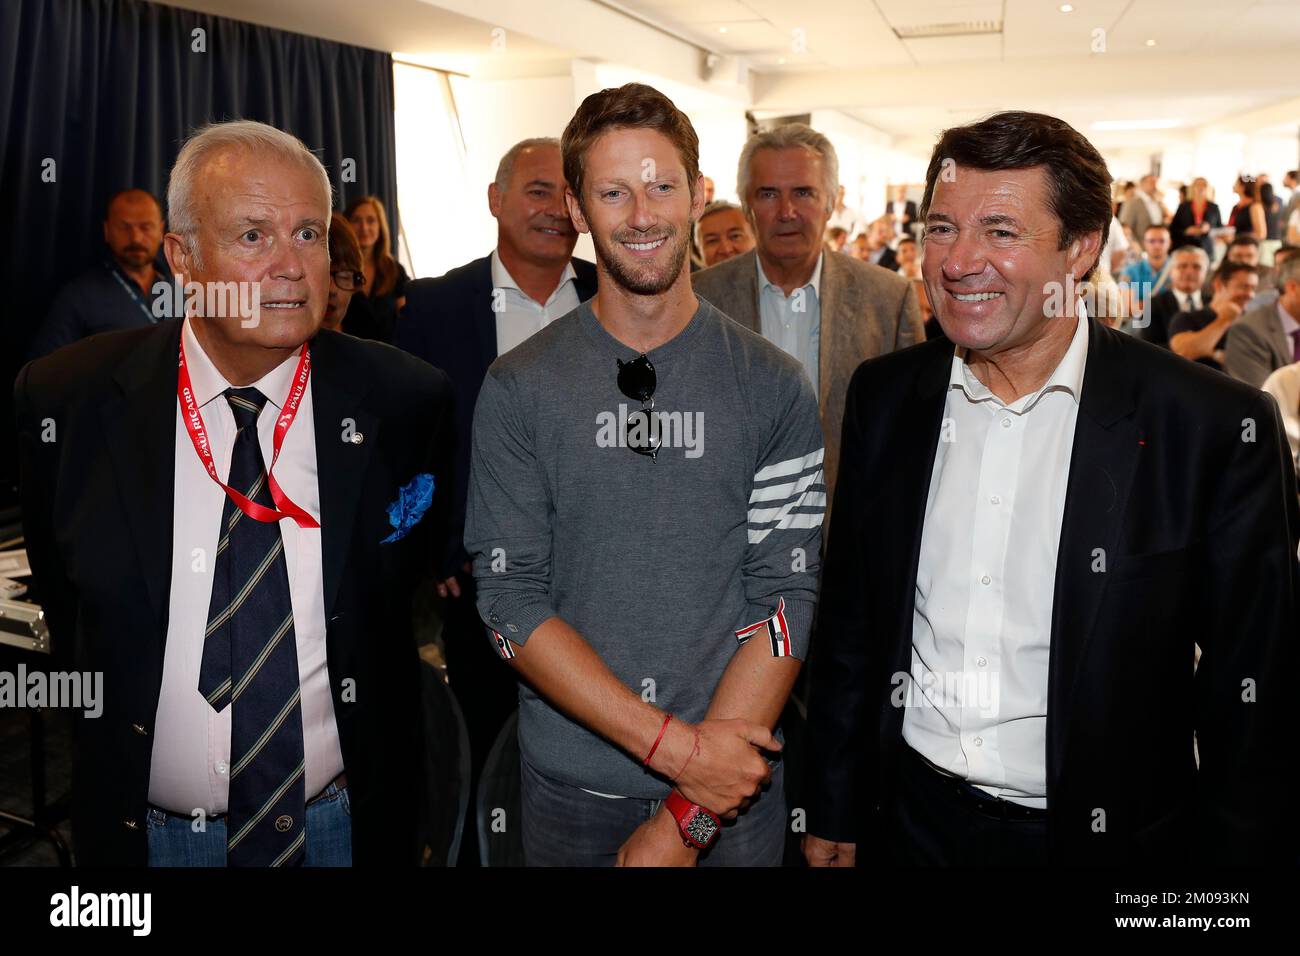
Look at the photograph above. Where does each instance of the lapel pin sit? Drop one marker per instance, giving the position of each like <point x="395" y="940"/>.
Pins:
<point x="358" y="438"/>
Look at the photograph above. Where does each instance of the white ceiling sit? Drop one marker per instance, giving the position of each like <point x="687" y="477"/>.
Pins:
<point x="1212" y="59"/>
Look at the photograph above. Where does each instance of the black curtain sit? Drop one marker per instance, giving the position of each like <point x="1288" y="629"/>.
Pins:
<point x="101" y="94"/>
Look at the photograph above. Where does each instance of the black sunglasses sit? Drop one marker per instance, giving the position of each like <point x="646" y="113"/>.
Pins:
<point x="636" y="380"/>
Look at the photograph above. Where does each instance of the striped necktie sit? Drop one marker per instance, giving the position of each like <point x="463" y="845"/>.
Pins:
<point x="250" y="662"/>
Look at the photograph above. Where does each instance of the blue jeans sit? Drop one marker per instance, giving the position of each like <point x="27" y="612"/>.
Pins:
<point x="566" y="826"/>
<point x="173" y="842"/>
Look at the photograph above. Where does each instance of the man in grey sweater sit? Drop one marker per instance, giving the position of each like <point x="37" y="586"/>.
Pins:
<point x="645" y="504"/>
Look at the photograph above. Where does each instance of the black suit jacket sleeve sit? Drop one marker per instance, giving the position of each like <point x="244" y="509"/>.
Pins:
<point x="1243" y="688"/>
<point x="842" y="741"/>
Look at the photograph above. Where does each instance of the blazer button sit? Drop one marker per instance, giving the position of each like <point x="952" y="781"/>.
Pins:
<point x="139" y="729"/>
<point x="130" y="824"/>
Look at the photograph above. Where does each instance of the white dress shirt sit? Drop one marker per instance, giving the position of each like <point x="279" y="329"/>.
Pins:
<point x="898" y="210"/>
<point x="191" y="748"/>
<point x="1188" y="301"/>
<point x="982" y="624"/>
<point x="1284" y="385"/>
<point x="520" y="316"/>
<point x="797" y="333"/>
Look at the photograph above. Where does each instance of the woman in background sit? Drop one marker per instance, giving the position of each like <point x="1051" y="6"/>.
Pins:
<point x="346" y="276"/>
<point x="1196" y="219"/>
<point x="1247" y="217"/>
<point x="385" y="286"/>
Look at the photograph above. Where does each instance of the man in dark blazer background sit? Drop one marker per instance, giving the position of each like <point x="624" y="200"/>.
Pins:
<point x="1039" y="521"/>
<point x="461" y="322"/>
<point x="130" y="541"/>
<point x="1187" y="270"/>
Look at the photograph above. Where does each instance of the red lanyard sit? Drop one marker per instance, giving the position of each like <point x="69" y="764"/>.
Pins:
<point x="199" y="436"/>
<point x="1198" y="213"/>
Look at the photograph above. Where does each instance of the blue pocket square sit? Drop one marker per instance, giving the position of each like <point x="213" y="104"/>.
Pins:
<point x="412" y="502"/>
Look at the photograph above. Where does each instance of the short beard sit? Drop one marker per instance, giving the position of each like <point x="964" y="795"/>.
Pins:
<point x="642" y="284"/>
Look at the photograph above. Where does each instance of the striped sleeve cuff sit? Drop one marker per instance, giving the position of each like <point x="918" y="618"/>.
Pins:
<point x="787" y="628"/>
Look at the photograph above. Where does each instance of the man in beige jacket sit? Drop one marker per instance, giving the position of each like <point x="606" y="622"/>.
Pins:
<point x="826" y="309"/>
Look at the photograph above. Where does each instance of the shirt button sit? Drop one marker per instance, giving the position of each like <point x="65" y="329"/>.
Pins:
<point x="978" y="741"/>
<point x="221" y="767"/>
<point x="981" y="661"/>
<point x="995" y="500"/>
<point x="1006" y="423"/>
<point x="986" y="580"/>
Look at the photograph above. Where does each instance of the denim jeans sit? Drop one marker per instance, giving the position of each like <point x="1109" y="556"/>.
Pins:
<point x="566" y="826"/>
<point x="173" y="842"/>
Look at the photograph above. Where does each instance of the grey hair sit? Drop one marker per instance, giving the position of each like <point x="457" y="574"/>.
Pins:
<point x="244" y="135"/>
<point x="507" y="165"/>
<point x="1193" y="251"/>
<point x="1288" y="271"/>
<point x="789" y="136"/>
<point x="718" y="205"/>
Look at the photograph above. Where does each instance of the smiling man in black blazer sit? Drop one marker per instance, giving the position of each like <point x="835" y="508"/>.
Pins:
<point x="241" y="575"/>
<point x="461" y="322"/>
<point x="1038" y="521"/>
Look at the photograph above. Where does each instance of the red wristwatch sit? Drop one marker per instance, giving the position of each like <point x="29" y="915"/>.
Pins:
<point x="699" y="826"/>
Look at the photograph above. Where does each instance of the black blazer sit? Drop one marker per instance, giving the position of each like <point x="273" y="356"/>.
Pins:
<point x="449" y="322"/>
<point x="1198" y="531"/>
<point x="1164" y="306"/>
<point x="98" y="512"/>
<point x="1184" y="220"/>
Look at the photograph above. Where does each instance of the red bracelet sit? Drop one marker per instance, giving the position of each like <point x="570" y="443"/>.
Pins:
<point x="646" y="762"/>
<point x="694" y="751"/>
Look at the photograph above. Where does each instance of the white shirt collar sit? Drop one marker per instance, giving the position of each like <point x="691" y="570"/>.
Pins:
<point x="815" y="281"/>
<point x="208" y="383"/>
<point x="502" y="279"/>
<point x="1067" y="376"/>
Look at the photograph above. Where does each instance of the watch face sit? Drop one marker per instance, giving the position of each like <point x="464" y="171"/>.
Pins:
<point x="700" y="828"/>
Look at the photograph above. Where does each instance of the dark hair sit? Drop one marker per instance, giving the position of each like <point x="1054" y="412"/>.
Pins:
<point x="345" y="251"/>
<point x="1249" y="187"/>
<point x="1230" y="269"/>
<point x="1078" y="180"/>
<point x="1286" y="252"/>
<point x="903" y="240"/>
<point x="133" y="191"/>
<point x="1266" y="195"/>
<point x="1154" y="225"/>
<point x="631" y="106"/>
<point x="1243" y="241"/>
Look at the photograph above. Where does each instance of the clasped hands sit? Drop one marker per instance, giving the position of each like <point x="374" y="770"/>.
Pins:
<point x="715" y="763"/>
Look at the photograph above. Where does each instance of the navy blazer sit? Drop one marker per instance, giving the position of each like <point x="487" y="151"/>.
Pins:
<point x="449" y="322"/>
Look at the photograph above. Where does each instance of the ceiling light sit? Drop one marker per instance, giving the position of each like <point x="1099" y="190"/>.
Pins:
<point x="1151" y="42"/>
<point x="722" y="29"/>
<point x="1066" y="8"/>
